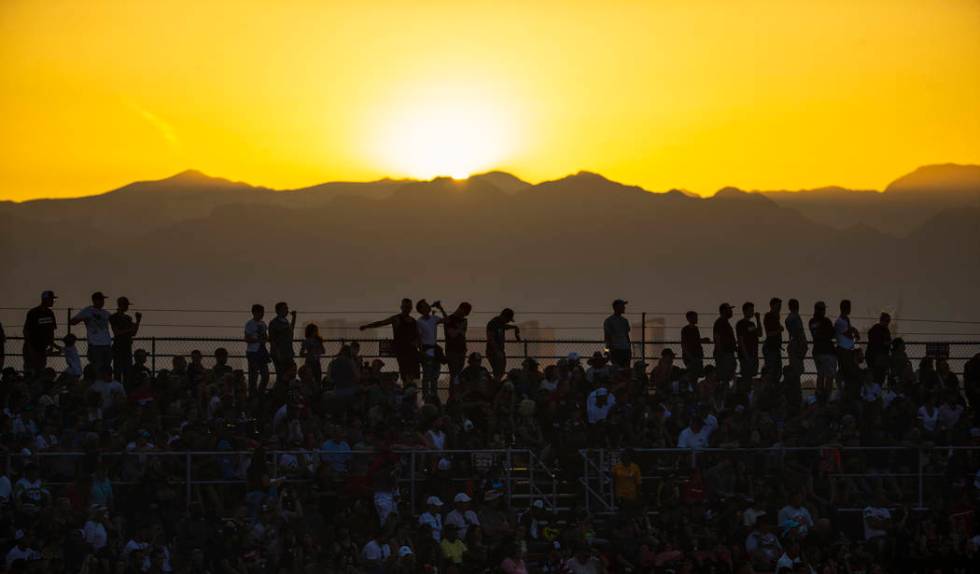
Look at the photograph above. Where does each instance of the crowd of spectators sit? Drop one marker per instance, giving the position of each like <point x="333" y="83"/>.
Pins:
<point x="306" y="466"/>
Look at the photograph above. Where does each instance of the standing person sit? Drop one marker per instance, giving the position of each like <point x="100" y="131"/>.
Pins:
<point x="312" y="350"/>
<point x="772" y="348"/>
<point x="691" y="350"/>
<point x="725" y="344"/>
<point x="256" y="336"/>
<point x="96" y="320"/>
<point x="123" y="331"/>
<point x="824" y="356"/>
<point x="3" y="347"/>
<point x="405" y="341"/>
<point x="281" y="329"/>
<point x="429" y="351"/>
<point x="496" y="341"/>
<point x="748" y="333"/>
<point x="38" y="334"/>
<point x="616" y="334"/>
<point x="797" y="346"/>
<point x="847" y="336"/>
<point x="879" y="346"/>
<point x="454" y="326"/>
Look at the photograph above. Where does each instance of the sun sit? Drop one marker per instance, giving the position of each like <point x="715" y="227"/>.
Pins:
<point x="452" y="135"/>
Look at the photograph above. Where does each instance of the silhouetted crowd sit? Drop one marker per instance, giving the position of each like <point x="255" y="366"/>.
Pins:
<point x="762" y="476"/>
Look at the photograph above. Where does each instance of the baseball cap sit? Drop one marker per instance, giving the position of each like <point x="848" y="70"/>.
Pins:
<point x="404" y="551"/>
<point x="48" y="293"/>
<point x="123" y="301"/>
<point x="725" y="306"/>
<point x="434" y="501"/>
<point x="620" y="302"/>
<point x="461" y="497"/>
<point x="98" y="295"/>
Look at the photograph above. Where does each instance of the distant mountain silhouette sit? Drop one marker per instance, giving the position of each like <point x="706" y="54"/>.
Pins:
<point x="576" y="242"/>
<point x="907" y="203"/>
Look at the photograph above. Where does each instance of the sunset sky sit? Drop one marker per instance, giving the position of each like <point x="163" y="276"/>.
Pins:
<point x="696" y="94"/>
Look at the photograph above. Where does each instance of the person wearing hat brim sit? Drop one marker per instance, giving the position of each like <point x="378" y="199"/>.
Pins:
<point x="39" y="328"/>
<point x="616" y="334"/>
<point x="462" y="516"/>
<point x="96" y="320"/>
<point x="432" y="517"/>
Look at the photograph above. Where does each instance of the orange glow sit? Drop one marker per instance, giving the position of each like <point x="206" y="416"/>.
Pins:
<point x="696" y="94"/>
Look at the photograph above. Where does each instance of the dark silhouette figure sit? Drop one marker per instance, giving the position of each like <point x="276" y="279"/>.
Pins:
<point x="496" y="341"/>
<point x="405" y="341"/>
<point x="124" y="328"/>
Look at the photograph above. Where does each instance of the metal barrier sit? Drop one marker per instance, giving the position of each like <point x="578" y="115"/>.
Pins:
<point x="919" y="475"/>
<point x="514" y="469"/>
<point x="162" y="350"/>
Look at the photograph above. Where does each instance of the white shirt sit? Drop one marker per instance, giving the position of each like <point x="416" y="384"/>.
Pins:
<point x="427" y="332"/>
<point x="96" y="535"/>
<point x="690" y="439"/>
<point x="596" y="412"/>
<point x="256" y="329"/>
<point x="73" y="361"/>
<point x="96" y="325"/>
<point x="928" y="420"/>
<point x="841" y="325"/>
<point x="375" y="552"/>
<point x="462" y="521"/>
<point x="106" y="389"/>
<point x="17" y="553"/>
<point x="435" y="522"/>
<point x="874" y="512"/>
<point x="870" y="392"/>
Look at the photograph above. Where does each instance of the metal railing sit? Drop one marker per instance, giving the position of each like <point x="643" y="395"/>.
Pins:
<point x="515" y="469"/>
<point x="919" y="474"/>
<point x="162" y="350"/>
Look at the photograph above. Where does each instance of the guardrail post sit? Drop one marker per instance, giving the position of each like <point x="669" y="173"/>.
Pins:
<point x="411" y="469"/>
<point x="602" y="465"/>
<point x="153" y="356"/>
<point x="187" y="459"/>
<point x="68" y="321"/>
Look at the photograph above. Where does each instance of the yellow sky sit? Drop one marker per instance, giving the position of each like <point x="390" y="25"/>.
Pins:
<point x="663" y="93"/>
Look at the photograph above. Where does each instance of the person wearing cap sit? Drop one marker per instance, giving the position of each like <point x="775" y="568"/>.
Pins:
<point x="462" y="517"/>
<point x="616" y="334"/>
<point x="376" y="553"/>
<point x="430" y="353"/>
<point x="725" y="343"/>
<point x="824" y="355"/>
<point x="598" y="405"/>
<point x="96" y="320"/>
<point x="432" y="517"/>
<point x="772" y="347"/>
<point x="496" y="341"/>
<point x="39" y="327"/>
<point x="124" y="328"/>
<point x="692" y="351"/>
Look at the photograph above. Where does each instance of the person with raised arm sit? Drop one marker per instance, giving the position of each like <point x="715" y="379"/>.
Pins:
<point x="405" y="341"/>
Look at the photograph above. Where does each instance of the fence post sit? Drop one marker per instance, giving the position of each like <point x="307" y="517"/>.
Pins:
<point x="68" y="321"/>
<point x="918" y="459"/>
<point x="643" y="337"/>
<point x="187" y="459"/>
<point x="153" y="356"/>
<point x="531" y="487"/>
<point x="602" y="465"/>
<point x="525" y="348"/>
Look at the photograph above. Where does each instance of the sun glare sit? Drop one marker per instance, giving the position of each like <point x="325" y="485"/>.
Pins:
<point x="453" y="137"/>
